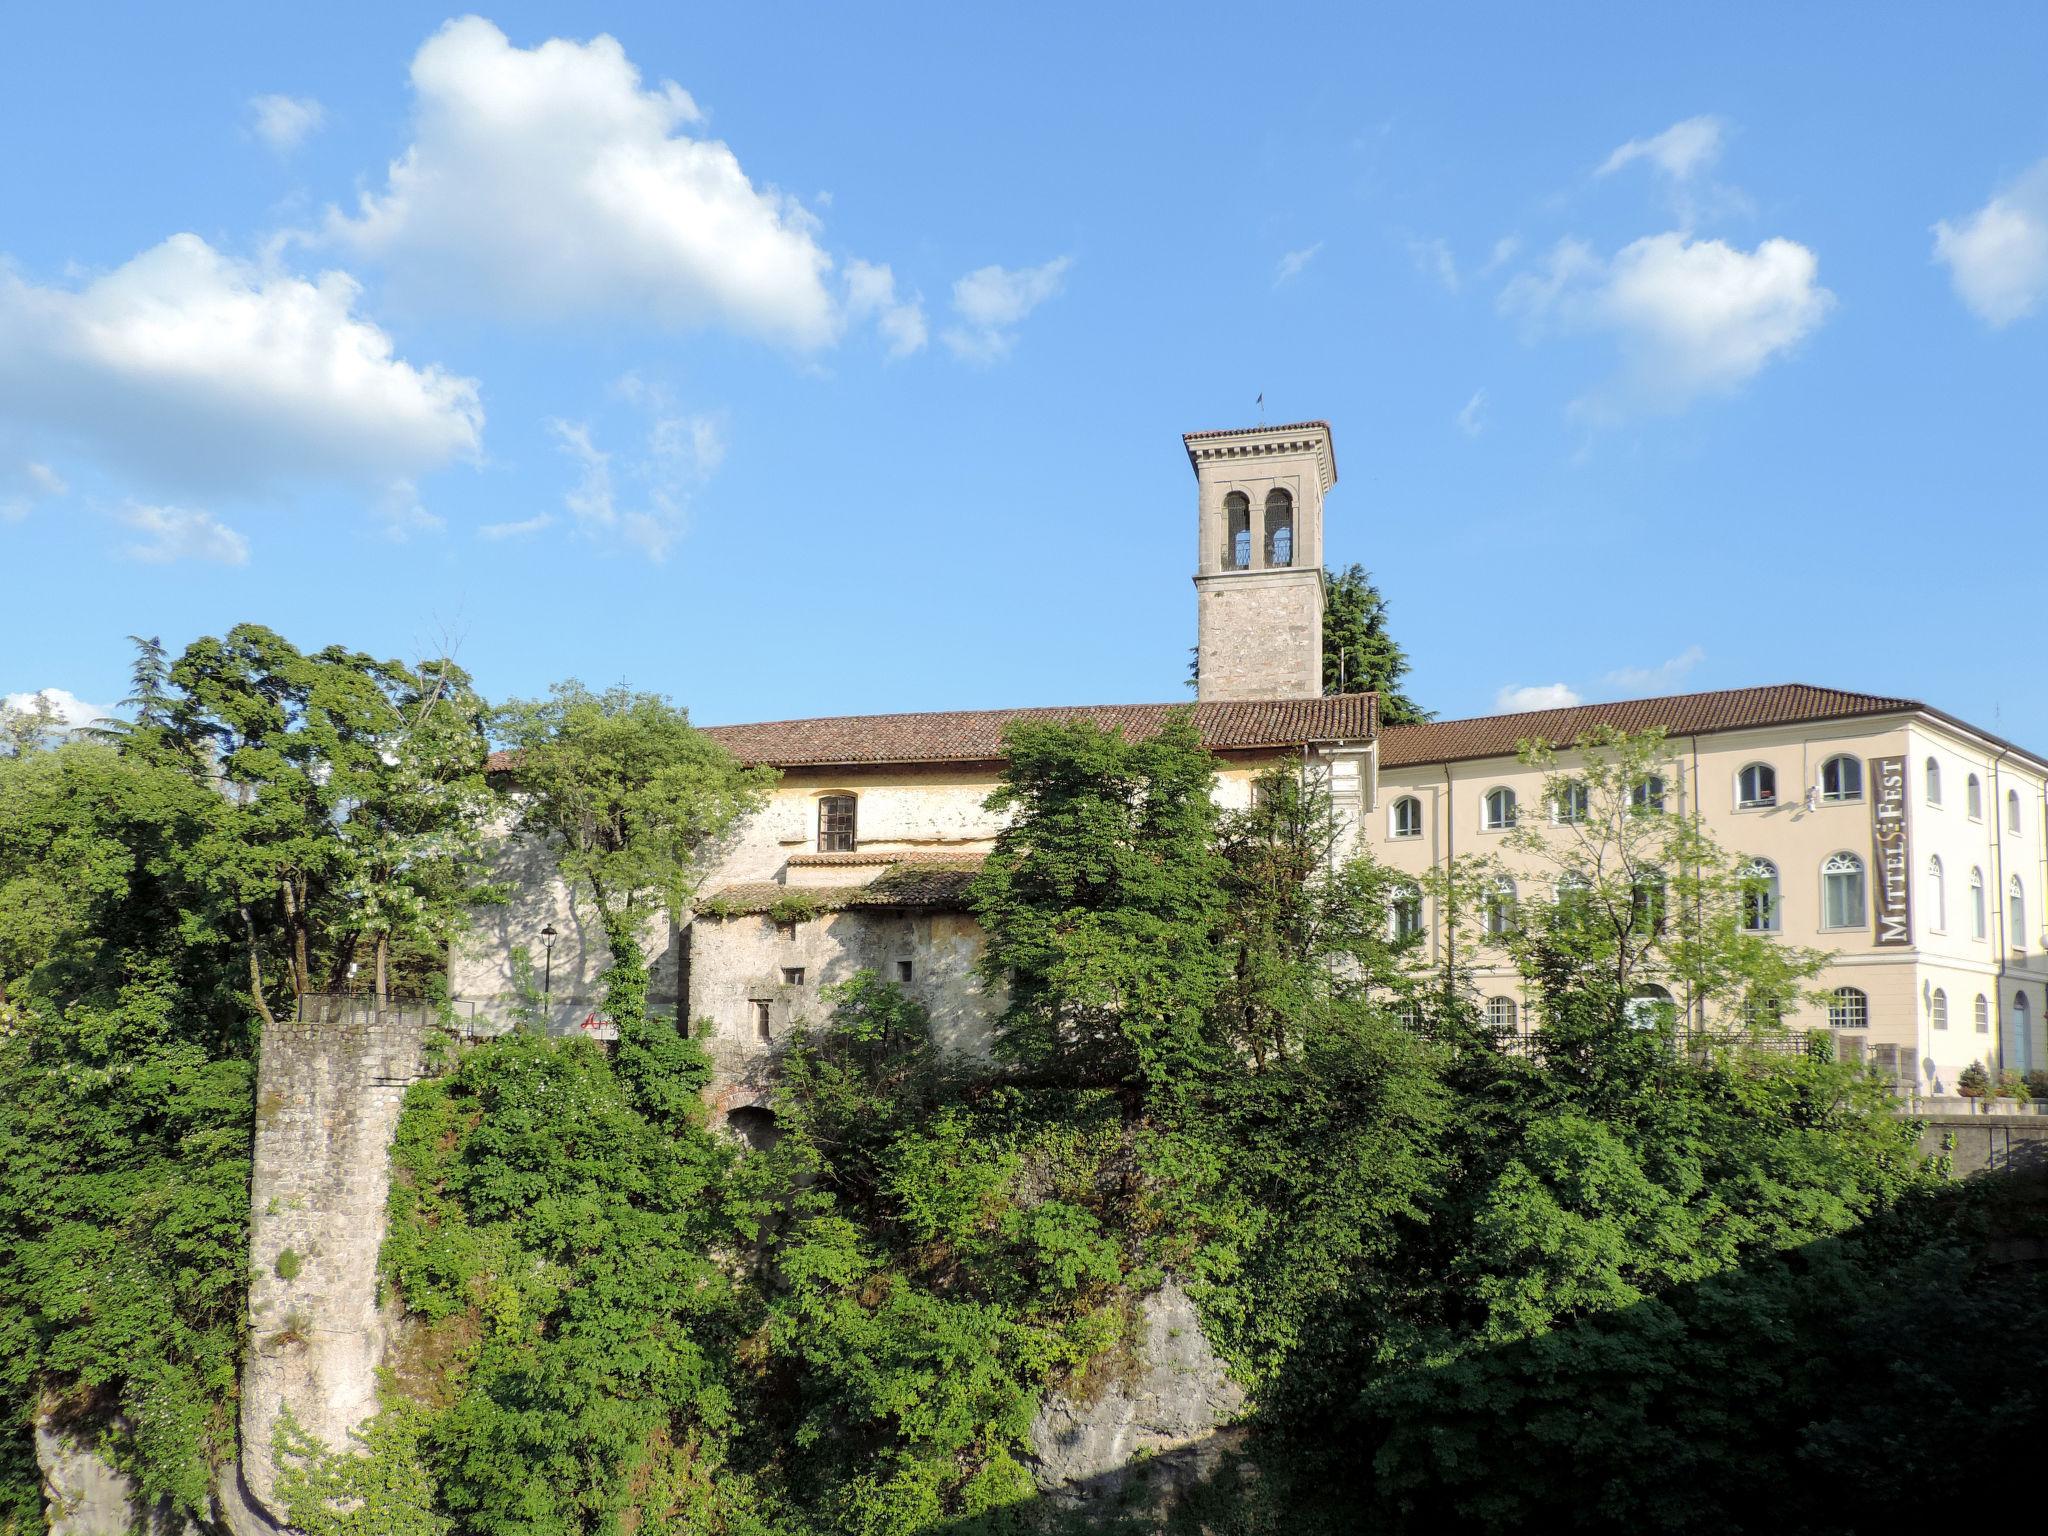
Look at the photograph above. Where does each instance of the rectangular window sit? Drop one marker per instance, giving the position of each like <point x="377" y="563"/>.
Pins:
<point x="762" y="1023"/>
<point x="835" y="824"/>
<point x="903" y="971"/>
<point x="786" y="932"/>
<point x="792" y="975"/>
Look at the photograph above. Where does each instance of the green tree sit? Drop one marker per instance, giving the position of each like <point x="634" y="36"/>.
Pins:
<point x="1617" y="891"/>
<point x="1359" y="655"/>
<point x="636" y="804"/>
<point x="1100" y="901"/>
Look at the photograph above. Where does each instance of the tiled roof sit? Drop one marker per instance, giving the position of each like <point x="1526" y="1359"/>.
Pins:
<point x="929" y="887"/>
<point x="977" y="735"/>
<point x="866" y="858"/>
<point x="1683" y="714"/>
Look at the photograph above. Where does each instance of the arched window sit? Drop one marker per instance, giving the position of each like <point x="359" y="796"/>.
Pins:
<point x="1841" y="778"/>
<point x="1841" y="884"/>
<point x="1976" y="903"/>
<point x="836" y="828"/>
<point x="1848" y="1009"/>
<point x="2020" y="1057"/>
<point x="1937" y="1009"/>
<point x="1756" y="785"/>
<point x="1500" y="809"/>
<point x="1407" y="814"/>
<point x="1937" y="896"/>
<point x="1933" y="782"/>
<point x="1650" y="1006"/>
<point x="1983" y="1014"/>
<point x="2015" y="914"/>
<point x="1646" y="902"/>
<point x="1500" y="1013"/>
<point x="1648" y="795"/>
<point x="1973" y="798"/>
<point x="1407" y="913"/>
<point x="1237" y="521"/>
<point x="1568" y="806"/>
<point x="1279" y="528"/>
<point x="1500" y="907"/>
<point x="2012" y="810"/>
<point x="1760" y="896"/>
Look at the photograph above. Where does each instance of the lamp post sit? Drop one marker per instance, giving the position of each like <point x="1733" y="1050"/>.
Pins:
<point x="547" y="985"/>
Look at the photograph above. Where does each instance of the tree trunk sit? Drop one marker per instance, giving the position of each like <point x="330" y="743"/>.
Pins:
<point x="255" y="966"/>
<point x="383" y="969"/>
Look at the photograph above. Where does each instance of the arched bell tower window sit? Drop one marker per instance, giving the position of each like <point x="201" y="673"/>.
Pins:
<point x="1237" y="522"/>
<point x="1279" y="528"/>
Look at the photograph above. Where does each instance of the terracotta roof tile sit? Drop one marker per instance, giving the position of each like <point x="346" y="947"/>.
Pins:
<point x="976" y="735"/>
<point x="927" y="887"/>
<point x="936" y="858"/>
<point x="1684" y="714"/>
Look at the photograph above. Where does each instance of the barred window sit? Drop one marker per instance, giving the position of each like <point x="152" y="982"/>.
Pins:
<point x="1500" y="1013"/>
<point x="1848" y="1009"/>
<point x="1937" y="1009"/>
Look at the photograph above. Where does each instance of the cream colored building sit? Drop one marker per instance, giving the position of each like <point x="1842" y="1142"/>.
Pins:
<point x="1791" y="775"/>
<point x="862" y="856"/>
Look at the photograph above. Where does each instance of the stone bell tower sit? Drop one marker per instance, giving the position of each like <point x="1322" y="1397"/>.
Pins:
<point x="1259" y="576"/>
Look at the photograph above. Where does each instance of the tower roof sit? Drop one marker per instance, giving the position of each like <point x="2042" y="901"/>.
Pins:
<point x="1262" y="442"/>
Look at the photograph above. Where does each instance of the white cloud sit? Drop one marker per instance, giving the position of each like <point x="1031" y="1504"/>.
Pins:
<point x="524" y="528"/>
<point x="1680" y="151"/>
<point x="284" y="122"/>
<point x="992" y="301"/>
<point x="1503" y="252"/>
<point x="551" y="181"/>
<point x="1691" y="317"/>
<point x="202" y="374"/>
<point x="402" y="515"/>
<point x="1516" y="699"/>
<point x="871" y="290"/>
<point x="1472" y="419"/>
<point x="1660" y="678"/>
<point x="1289" y="266"/>
<point x="1997" y="258"/>
<point x="639" y="499"/>
<point x="22" y="489"/>
<point x="71" y="711"/>
<point x="1434" y="258"/>
<point x="174" y="534"/>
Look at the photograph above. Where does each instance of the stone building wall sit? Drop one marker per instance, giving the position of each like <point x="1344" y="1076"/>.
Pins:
<point x="328" y="1096"/>
<point x="737" y="962"/>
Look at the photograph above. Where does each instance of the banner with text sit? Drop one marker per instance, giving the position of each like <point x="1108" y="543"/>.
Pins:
<point x="1892" y="869"/>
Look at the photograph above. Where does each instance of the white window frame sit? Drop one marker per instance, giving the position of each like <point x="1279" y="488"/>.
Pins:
<point x="1849" y="1008"/>
<point x="1828" y="875"/>
<point x="1406" y="901"/>
<point x="1394" y="818"/>
<point x="1839" y="796"/>
<point x="2016" y="913"/>
<point x="1931" y="780"/>
<point x="2012" y="811"/>
<point x="1973" y="798"/>
<point x="1487" y="819"/>
<point x="1574" y="808"/>
<point x="1501" y="1013"/>
<point x="1774" y="897"/>
<point x="1643" y="798"/>
<point x="1937" y="1010"/>
<point x="1981" y="1014"/>
<point x="1499" y="908"/>
<point x="1743" y="803"/>
<point x="1980" y="913"/>
<point x="1938" y="882"/>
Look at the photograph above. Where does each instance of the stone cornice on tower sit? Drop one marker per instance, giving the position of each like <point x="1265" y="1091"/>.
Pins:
<point x="1295" y="437"/>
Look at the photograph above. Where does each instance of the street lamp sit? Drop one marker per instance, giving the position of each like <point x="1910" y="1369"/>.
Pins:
<point x="547" y="985"/>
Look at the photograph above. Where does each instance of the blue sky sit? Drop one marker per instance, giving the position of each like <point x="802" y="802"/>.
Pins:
<point x="806" y="360"/>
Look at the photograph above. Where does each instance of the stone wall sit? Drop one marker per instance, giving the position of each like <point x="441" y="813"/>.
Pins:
<point x="84" y="1494"/>
<point x="1981" y="1143"/>
<point x="737" y="962"/>
<point x="328" y="1095"/>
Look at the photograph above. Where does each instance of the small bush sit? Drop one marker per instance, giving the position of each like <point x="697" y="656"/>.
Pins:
<point x="288" y="1265"/>
<point x="1975" y="1082"/>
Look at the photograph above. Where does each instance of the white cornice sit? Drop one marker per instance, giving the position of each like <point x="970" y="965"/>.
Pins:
<point x="1266" y="442"/>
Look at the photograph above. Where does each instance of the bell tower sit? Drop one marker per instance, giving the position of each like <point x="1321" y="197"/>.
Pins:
<point x="1259" y="568"/>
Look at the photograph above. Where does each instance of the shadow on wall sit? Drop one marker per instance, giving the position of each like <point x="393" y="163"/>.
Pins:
<point x="1896" y="1372"/>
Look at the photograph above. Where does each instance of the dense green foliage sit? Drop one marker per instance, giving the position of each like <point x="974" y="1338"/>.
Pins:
<point x="1602" y="1282"/>
<point x="1359" y="655"/>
